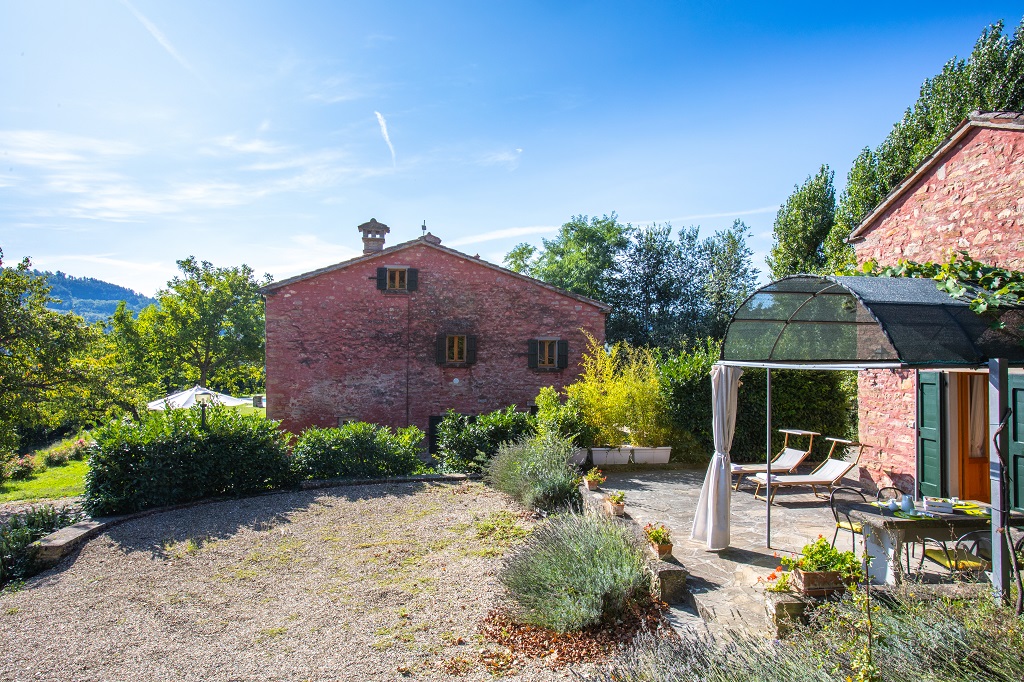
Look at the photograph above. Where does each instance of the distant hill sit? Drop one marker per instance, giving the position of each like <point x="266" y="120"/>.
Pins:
<point x="93" y="299"/>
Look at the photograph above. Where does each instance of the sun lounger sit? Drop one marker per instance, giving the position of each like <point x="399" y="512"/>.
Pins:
<point x="828" y="474"/>
<point x="785" y="462"/>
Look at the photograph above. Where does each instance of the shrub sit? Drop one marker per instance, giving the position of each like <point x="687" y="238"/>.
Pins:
<point x="169" y="458"/>
<point x="944" y="639"/>
<point x="21" y="468"/>
<point x="17" y="533"/>
<point x="822" y="401"/>
<point x="358" y="450"/>
<point x="467" y="443"/>
<point x="65" y="451"/>
<point x="620" y="395"/>
<point x="537" y="472"/>
<point x="564" y="419"/>
<point x="575" y="571"/>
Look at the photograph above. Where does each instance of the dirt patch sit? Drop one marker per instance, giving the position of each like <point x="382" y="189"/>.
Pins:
<point x="367" y="582"/>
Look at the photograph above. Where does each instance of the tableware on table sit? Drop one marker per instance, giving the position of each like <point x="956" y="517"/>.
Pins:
<point x="907" y="503"/>
<point x="891" y="505"/>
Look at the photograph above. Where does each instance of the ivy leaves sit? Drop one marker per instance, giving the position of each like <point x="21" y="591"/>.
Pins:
<point x="984" y="287"/>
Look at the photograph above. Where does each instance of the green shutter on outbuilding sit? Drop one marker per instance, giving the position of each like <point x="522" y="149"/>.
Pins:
<point x="931" y="426"/>
<point x="1015" y="461"/>
<point x="412" y="279"/>
<point x="382" y="279"/>
<point x="470" y="350"/>
<point x="532" y="353"/>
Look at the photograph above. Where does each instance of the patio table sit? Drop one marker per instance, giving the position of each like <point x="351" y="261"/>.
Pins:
<point x="885" y="533"/>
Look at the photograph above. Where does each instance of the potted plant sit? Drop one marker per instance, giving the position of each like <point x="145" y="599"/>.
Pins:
<point x="616" y="503"/>
<point x="660" y="538"/>
<point x="821" y="570"/>
<point x="594" y="478"/>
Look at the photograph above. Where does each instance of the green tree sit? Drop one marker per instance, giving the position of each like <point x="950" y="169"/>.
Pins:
<point x="729" y="277"/>
<point x="802" y="224"/>
<point x="207" y="327"/>
<point x="41" y="352"/>
<point x="583" y="258"/>
<point x="990" y="79"/>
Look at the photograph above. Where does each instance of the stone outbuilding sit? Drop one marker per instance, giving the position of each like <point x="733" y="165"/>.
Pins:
<point x="401" y="334"/>
<point x="968" y="195"/>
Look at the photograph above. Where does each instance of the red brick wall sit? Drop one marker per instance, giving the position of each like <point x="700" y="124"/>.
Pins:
<point x="339" y="347"/>
<point x="973" y="201"/>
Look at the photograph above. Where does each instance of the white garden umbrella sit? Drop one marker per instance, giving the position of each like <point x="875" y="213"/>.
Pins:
<point x="711" y="522"/>
<point x="194" y="396"/>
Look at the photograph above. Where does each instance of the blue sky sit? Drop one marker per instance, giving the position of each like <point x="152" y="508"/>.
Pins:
<point x="134" y="133"/>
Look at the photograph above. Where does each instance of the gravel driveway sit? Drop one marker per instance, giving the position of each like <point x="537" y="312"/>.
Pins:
<point x="367" y="582"/>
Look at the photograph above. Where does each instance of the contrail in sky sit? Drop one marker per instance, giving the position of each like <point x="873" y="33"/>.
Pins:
<point x="384" y="132"/>
<point x="162" y="39"/>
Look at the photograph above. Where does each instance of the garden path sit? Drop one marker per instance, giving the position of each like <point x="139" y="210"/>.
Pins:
<point x="724" y="584"/>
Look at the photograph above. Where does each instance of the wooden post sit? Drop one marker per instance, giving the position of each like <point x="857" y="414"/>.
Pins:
<point x="999" y="442"/>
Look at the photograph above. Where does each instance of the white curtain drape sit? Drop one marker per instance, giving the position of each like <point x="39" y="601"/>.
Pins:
<point x="711" y="522"/>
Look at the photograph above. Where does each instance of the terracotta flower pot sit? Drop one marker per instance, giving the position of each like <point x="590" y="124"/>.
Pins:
<point x="818" y="583"/>
<point x="663" y="550"/>
<point x="616" y="509"/>
<point x="592" y="485"/>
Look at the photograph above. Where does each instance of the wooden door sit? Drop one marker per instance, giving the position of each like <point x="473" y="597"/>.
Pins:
<point x="973" y="446"/>
<point x="931" y="408"/>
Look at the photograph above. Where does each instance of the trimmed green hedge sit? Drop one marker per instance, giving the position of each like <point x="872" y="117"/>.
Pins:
<point x="467" y="443"/>
<point x="358" y="450"/>
<point x="169" y="458"/>
<point x="822" y="401"/>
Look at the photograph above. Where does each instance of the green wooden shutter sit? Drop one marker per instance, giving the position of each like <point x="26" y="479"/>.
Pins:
<point x="563" y="354"/>
<point x="531" y="353"/>
<point x="382" y="279"/>
<point x="931" y="446"/>
<point x="412" y="279"/>
<point x="1015" y="461"/>
<point x="470" y="350"/>
<point x="442" y="349"/>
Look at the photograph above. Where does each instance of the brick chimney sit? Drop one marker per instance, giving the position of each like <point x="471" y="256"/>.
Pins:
<point x="373" y="236"/>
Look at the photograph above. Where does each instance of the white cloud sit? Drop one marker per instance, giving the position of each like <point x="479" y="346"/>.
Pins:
<point x="162" y="39"/>
<point x="384" y="133"/>
<point x="303" y="253"/>
<point x="507" y="233"/>
<point x="508" y="158"/>
<point x="726" y="214"/>
<point x="142" y="276"/>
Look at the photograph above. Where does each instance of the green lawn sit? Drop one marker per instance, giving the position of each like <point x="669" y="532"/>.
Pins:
<point x="65" y="481"/>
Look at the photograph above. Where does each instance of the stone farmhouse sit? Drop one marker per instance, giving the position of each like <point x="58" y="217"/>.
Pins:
<point x="401" y="334"/>
<point x="967" y="196"/>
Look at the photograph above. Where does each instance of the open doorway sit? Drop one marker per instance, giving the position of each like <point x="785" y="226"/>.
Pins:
<point x="968" y="422"/>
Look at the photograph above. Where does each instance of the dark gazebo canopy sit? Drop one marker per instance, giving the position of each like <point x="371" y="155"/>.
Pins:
<point x="860" y="322"/>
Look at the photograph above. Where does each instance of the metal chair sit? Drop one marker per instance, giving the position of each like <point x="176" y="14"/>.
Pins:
<point x="891" y="492"/>
<point x="842" y="501"/>
<point x="971" y="554"/>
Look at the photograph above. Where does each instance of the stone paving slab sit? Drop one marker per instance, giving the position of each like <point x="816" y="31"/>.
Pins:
<point x="724" y="584"/>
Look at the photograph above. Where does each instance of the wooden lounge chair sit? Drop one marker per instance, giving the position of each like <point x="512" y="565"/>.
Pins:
<point x="828" y="474"/>
<point x="785" y="462"/>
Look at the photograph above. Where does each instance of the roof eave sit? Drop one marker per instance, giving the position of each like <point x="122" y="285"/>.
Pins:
<point x="271" y="288"/>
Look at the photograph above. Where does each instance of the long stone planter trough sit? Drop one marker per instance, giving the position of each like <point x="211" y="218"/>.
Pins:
<point x="606" y="456"/>
<point x="645" y="455"/>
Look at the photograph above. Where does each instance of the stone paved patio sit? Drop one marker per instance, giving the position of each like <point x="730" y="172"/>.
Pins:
<point x="723" y="584"/>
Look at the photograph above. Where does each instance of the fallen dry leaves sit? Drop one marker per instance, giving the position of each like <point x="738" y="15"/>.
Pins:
<point x="594" y="644"/>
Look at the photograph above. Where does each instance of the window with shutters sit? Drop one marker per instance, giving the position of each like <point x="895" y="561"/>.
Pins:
<point x="547" y="354"/>
<point x="456" y="349"/>
<point x="397" y="280"/>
